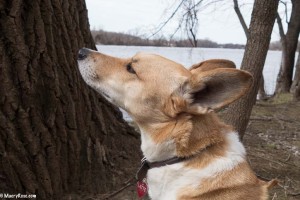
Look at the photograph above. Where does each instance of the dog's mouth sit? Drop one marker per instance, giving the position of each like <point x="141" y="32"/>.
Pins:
<point x="105" y="95"/>
<point x="92" y="79"/>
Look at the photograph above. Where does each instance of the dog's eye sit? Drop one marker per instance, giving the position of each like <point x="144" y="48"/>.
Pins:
<point x="130" y="69"/>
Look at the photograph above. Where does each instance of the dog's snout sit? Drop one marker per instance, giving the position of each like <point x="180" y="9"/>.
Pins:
<point x="83" y="53"/>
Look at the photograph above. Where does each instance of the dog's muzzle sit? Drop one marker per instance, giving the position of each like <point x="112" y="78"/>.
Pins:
<point x="83" y="53"/>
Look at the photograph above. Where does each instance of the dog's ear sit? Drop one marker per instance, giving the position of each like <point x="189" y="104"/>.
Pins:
<point x="213" y="89"/>
<point x="211" y="64"/>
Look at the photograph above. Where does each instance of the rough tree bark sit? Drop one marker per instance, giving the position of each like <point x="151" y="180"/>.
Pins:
<point x="261" y="90"/>
<point x="261" y="25"/>
<point x="289" y="43"/>
<point x="296" y="83"/>
<point x="57" y="136"/>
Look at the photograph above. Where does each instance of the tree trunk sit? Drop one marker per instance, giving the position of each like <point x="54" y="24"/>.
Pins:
<point x="261" y="89"/>
<point x="289" y="44"/>
<point x="296" y="83"/>
<point x="261" y="25"/>
<point x="57" y="136"/>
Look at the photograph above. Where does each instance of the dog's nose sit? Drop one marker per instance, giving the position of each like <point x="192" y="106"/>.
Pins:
<point x="83" y="53"/>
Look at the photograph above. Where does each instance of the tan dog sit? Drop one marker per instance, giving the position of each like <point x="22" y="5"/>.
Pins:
<point x="173" y="108"/>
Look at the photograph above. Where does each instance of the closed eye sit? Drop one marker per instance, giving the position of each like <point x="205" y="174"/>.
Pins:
<point x="130" y="68"/>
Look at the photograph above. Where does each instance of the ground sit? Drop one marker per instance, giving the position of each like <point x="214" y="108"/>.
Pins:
<point x="272" y="141"/>
<point x="273" y="145"/>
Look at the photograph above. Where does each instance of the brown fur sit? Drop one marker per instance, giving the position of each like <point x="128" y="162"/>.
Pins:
<point x="212" y="64"/>
<point x="239" y="183"/>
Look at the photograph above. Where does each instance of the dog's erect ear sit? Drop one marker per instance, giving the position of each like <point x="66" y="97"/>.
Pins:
<point x="214" y="89"/>
<point x="211" y="64"/>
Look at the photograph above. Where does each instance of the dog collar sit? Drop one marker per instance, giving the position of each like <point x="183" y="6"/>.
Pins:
<point x="146" y="165"/>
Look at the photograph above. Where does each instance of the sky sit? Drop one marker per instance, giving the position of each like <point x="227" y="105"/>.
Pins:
<point x="217" y="22"/>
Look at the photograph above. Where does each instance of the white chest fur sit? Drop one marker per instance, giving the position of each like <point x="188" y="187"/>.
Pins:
<point x="157" y="152"/>
<point x="165" y="182"/>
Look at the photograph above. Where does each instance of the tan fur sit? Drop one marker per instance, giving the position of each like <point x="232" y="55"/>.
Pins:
<point x="171" y="103"/>
<point x="239" y="183"/>
<point x="215" y="84"/>
<point x="203" y="135"/>
<point x="212" y="64"/>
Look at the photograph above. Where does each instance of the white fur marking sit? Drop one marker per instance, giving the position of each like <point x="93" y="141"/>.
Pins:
<point x="165" y="182"/>
<point x="157" y="152"/>
<point x="89" y="75"/>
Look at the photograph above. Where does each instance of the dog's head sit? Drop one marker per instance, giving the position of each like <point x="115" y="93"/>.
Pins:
<point x="155" y="89"/>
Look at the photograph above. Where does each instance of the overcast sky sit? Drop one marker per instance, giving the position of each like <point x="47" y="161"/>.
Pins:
<point x="217" y="22"/>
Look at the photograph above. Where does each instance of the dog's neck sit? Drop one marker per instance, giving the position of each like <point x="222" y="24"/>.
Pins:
<point x="183" y="137"/>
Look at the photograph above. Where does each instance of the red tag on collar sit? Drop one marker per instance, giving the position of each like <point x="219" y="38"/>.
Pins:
<point x="141" y="188"/>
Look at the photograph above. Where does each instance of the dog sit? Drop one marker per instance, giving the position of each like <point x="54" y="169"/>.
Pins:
<point x="195" y="155"/>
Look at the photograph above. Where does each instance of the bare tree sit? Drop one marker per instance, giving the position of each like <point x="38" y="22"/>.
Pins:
<point x="289" y="43"/>
<point x="261" y="25"/>
<point x="191" y="21"/>
<point x="57" y="136"/>
<point x="261" y="91"/>
<point x="188" y="20"/>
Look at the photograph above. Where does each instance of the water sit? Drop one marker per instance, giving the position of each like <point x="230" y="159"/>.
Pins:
<point x="189" y="56"/>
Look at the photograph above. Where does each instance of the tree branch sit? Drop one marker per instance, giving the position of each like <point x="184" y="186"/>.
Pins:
<point x="183" y="16"/>
<point x="241" y="18"/>
<point x="285" y="11"/>
<point x="280" y="27"/>
<point x="167" y="21"/>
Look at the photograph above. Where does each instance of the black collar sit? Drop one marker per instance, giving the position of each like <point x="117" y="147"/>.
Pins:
<point x="146" y="165"/>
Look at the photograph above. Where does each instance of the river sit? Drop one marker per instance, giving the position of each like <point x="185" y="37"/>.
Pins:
<point x="190" y="56"/>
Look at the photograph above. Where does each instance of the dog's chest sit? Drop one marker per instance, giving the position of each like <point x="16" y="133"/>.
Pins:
<point x="165" y="182"/>
<point x="168" y="182"/>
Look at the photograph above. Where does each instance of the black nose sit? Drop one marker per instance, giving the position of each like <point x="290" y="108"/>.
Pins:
<point x="83" y="53"/>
